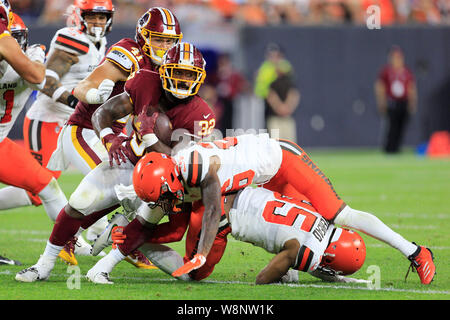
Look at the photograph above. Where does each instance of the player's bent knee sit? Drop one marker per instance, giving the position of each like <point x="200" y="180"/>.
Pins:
<point x="84" y="198"/>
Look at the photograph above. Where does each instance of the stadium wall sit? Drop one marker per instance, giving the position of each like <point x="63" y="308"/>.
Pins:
<point x="335" y="70"/>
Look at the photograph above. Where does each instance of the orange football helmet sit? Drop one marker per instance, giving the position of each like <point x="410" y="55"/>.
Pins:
<point x="181" y="58"/>
<point x="155" y="180"/>
<point x="157" y="22"/>
<point x="76" y="17"/>
<point x="345" y="253"/>
<point x="19" y="31"/>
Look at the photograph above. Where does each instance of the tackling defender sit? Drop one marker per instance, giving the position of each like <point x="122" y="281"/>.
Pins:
<point x="74" y="52"/>
<point x="95" y="196"/>
<point x="19" y="71"/>
<point x="226" y="166"/>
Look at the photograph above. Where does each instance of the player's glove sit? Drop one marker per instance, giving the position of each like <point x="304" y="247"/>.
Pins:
<point x="197" y="262"/>
<point x="146" y="127"/>
<point x="114" y="145"/>
<point x="117" y="236"/>
<point x="101" y="94"/>
<point x="36" y="52"/>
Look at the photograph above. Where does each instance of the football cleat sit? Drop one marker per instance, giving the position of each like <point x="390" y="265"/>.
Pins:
<point x="39" y="272"/>
<point x="98" y="277"/>
<point x="67" y="253"/>
<point x="104" y="240"/>
<point x="422" y="262"/>
<point x="139" y="260"/>
<point x="82" y="248"/>
<point x="4" y="260"/>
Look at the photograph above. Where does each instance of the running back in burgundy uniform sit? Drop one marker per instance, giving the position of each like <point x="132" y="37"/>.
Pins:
<point x="127" y="55"/>
<point x="145" y="91"/>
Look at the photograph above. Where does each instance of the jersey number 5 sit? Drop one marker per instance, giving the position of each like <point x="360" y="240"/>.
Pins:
<point x="272" y="215"/>
<point x="8" y="96"/>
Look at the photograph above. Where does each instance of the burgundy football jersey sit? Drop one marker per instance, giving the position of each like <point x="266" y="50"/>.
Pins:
<point x="193" y="114"/>
<point x="127" y="55"/>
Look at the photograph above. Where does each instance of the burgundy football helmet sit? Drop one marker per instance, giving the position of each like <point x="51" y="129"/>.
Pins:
<point x="5" y="12"/>
<point x="157" y="22"/>
<point x="183" y="70"/>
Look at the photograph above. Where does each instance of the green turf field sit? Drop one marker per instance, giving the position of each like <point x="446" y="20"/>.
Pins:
<point x="409" y="193"/>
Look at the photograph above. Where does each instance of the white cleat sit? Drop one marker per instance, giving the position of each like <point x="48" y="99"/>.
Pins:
<point x="39" y="272"/>
<point x="104" y="239"/>
<point x="82" y="248"/>
<point x="98" y="277"/>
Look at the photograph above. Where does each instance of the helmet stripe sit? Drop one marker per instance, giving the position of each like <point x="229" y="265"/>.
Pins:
<point x="187" y="51"/>
<point x="169" y="19"/>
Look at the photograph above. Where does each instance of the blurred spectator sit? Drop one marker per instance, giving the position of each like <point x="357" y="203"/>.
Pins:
<point x="54" y="11"/>
<point x="396" y="96"/>
<point x="229" y="84"/>
<point x="425" y="11"/>
<point x="274" y="83"/>
<point x="252" y="12"/>
<point x="258" y="12"/>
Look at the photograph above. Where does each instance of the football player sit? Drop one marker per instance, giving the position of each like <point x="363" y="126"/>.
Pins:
<point x="74" y="52"/>
<point x="21" y="65"/>
<point x="231" y="164"/>
<point x="95" y="196"/>
<point x="290" y="228"/>
<point x="156" y="31"/>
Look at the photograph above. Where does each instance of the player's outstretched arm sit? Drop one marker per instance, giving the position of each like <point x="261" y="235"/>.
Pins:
<point x="280" y="264"/>
<point x="97" y="87"/>
<point x="31" y="71"/>
<point x="58" y="64"/>
<point x="211" y="197"/>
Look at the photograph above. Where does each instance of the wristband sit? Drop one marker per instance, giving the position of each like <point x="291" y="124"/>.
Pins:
<point x="52" y="74"/>
<point x="91" y="96"/>
<point x="72" y="101"/>
<point x="149" y="139"/>
<point x="41" y="85"/>
<point x="105" y="132"/>
<point x="58" y="93"/>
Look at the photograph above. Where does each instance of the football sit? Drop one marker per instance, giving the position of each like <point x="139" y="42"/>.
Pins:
<point x="163" y="129"/>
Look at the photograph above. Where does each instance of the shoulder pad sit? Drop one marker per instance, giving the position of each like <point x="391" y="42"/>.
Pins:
<point x="71" y="40"/>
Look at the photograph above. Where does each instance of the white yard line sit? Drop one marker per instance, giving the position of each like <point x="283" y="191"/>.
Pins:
<point x="292" y="285"/>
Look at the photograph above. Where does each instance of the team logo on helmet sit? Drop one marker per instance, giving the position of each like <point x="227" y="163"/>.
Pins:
<point x="156" y="30"/>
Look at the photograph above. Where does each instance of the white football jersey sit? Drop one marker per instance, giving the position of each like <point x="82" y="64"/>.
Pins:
<point x="75" y="42"/>
<point x="14" y="92"/>
<point x="244" y="160"/>
<point x="267" y="220"/>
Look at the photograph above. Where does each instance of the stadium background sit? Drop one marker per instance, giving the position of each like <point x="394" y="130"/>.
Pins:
<point x="335" y="56"/>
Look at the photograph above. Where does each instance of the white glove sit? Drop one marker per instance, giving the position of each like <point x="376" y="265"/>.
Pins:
<point x="100" y="95"/>
<point x="36" y="53"/>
